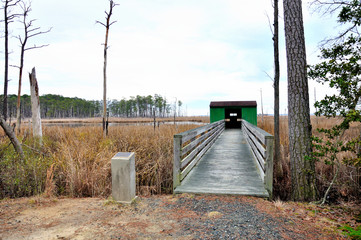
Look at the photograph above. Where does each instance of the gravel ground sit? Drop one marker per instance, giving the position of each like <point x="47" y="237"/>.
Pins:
<point x="234" y="218"/>
<point x="226" y="220"/>
<point x="160" y="217"/>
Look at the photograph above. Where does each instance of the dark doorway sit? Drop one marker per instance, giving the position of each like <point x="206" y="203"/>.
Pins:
<point x="233" y="118"/>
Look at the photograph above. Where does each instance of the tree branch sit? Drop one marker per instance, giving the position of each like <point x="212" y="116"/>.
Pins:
<point x="36" y="47"/>
<point x="100" y="23"/>
<point x="38" y="33"/>
<point x="14" y="66"/>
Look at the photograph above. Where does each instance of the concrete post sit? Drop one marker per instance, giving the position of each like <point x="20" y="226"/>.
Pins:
<point x="123" y="177"/>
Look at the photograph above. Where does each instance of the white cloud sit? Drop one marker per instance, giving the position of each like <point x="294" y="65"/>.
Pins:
<point x="195" y="51"/>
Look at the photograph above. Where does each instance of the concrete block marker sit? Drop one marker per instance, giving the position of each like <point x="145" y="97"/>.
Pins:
<point x="123" y="177"/>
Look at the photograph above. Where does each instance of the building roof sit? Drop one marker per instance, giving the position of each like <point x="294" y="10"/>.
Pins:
<point x="233" y="104"/>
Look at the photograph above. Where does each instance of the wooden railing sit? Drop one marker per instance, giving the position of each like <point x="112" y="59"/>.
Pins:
<point x="261" y="143"/>
<point x="190" y="146"/>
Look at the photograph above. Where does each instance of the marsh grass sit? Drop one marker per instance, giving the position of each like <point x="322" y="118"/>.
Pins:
<point x="76" y="161"/>
<point x="348" y="185"/>
<point x="83" y="157"/>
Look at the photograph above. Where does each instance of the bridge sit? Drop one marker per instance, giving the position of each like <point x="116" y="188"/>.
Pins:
<point x="213" y="159"/>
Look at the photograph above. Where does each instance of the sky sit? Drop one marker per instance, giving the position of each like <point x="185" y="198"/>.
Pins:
<point x="196" y="51"/>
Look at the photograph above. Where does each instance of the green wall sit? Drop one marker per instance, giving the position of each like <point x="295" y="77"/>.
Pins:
<point x="250" y="114"/>
<point x="216" y="114"/>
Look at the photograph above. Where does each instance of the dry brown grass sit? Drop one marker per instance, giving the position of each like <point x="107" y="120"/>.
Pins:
<point x="75" y="161"/>
<point x="348" y="183"/>
<point x="82" y="157"/>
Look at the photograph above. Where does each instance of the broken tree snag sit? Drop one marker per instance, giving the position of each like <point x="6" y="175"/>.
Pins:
<point x="35" y="106"/>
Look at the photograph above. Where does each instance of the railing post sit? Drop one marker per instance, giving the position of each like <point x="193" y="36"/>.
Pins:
<point x="177" y="147"/>
<point x="268" y="178"/>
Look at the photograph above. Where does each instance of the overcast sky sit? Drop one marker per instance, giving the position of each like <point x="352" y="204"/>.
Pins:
<point x="195" y="51"/>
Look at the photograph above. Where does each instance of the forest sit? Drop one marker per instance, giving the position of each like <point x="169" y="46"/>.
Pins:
<point x="57" y="106"/>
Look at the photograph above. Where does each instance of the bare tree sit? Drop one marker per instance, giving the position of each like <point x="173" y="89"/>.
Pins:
<point x="277" y="154"/>
<point x="9" y="17"/>
<point x="302" y="164"/>
<point x="107" y="25"/>
<point x="29" y="32"/>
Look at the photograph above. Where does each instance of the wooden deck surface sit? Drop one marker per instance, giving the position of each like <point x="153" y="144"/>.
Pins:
<point x="228" y="167"/>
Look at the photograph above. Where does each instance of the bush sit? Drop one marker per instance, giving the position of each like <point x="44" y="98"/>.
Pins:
<point x="22" y="178"/>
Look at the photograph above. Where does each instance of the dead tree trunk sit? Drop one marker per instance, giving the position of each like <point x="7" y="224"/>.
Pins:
<point x="35" y="106"/>
<point x="8" y="18"/>
<point x="277" y="155"/>
<point x="105" y="129"/>
<point x="6" y="67"/>
<point x="29" y="32"/>
<point x="107" y="25"/>
<point x="14" y="141"/>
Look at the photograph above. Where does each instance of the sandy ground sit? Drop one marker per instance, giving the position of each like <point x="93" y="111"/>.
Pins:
<point x="165" y="217"/>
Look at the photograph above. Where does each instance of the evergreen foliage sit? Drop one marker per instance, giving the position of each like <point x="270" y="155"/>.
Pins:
<point x="56" y="106"/>
<point x="341" y="70"/>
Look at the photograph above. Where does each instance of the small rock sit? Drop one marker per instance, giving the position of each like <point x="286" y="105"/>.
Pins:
<point x="214" y="214"/>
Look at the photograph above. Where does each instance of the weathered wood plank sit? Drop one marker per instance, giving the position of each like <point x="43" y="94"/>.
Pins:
<point x="259" y="133"/>
<point x="259" y="146"/>
<point x="254" y="131"/>
<point x="190" y="157"/>
<point x="188" y="135"/>
<point x="185" y="172"/>
<point x="263" y="132"/>
<point x="194" y="143"/>
<point x="257" y="155"/>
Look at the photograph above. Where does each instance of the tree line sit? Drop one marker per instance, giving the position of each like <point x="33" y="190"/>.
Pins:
<point x="57" y="106"/>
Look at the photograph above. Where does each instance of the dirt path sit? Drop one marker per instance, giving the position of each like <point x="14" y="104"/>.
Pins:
<point x="164" y="217"/>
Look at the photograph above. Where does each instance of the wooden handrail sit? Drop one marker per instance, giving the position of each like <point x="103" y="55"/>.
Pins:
<point x="190" y="146"/>
<point x="261" y="143"/>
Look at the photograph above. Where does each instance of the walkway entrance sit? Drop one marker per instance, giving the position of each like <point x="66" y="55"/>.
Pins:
<point x="233" y="118"/>
<point x="228" y="167"/>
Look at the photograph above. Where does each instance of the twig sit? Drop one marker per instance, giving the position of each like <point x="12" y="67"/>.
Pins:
<point x="332" y="182"/>
<point x="35" y="150"/>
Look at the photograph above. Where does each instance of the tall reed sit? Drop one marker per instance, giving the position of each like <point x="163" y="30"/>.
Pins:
<point x="78" y="159"/>
<point x="348" y="185"/>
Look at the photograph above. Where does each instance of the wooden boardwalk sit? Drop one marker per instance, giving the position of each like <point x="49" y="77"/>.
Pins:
<point x="228" y="167"/>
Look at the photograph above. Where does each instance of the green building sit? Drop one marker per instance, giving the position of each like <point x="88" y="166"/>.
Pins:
<point x="233" y="112"/>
